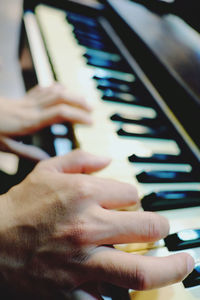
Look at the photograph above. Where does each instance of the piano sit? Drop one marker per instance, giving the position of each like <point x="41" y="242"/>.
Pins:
<point x="140" y="72"/>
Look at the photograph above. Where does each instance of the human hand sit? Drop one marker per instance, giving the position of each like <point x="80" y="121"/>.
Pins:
<point x="56" y="226"/>
<point x="40" y="107"/>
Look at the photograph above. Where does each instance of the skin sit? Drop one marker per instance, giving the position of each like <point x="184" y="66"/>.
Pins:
<point x="56" y="227"/>
<point x="39" y="108"/>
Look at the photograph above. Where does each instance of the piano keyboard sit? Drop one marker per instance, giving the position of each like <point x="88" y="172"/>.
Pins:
<point x="126" y="119"/>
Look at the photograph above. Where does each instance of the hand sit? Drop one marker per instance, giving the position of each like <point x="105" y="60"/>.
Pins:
<point x="56" y="225"/>
<point x="40" y="107"/>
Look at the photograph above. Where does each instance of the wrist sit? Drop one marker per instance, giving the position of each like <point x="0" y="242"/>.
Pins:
<point x="14" y="251"/>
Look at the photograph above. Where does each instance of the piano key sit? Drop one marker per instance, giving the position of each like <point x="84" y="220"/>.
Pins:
<point x="94" y="44"/>
<point x="103" y="63"/>
<point x="132" y="86"/>
<point x="40" y="60"/>
<point x="167" y="177"/>
<point x="114" y="75"/>
<point x="165" y="200"/>
<point x="59" y="129"/>
<point x="111" y="95"/>
<point x="143" y="131"/>
<point x="83" y="30"/>
<point x="93" y="35"/>
<point x="104" y="84"/>
<point x="78" y="18"/>
<point x="90" y="35"/>
<point x="159" y="158"/>
<point x="62" y="146"/>
<point x="193" y="279"/>
<point x="132" y="117"/>
<point x="182" y="167"/>
<point x="104" y="55"/>
<point x="185" y="239"/>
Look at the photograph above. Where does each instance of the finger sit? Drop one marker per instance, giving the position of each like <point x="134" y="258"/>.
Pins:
<point x="111" y="193"/>
<point x="139" y="272"/>
<point x="39" y="92"/>
<point x="59" y="95"/>
<point x="75" y="100"/>
<point x="62" y="113"/>
<point x="115" y="194"/>
<point x="76" y="161"/>
<point x="34" y="91"/>
<point x="27" y="151"/>
<point x="128" y="227"/>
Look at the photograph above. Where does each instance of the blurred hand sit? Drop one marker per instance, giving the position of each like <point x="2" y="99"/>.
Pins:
<point x="56" y="225"/>
<point x="40" y="107"/>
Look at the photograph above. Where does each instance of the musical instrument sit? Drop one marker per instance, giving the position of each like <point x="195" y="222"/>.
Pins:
<point x="127" y="62"/>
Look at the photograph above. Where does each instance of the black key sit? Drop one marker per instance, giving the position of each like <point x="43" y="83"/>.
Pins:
<point x="184" y="239"/>
<point x="136" y="130"/>
<point x="193" y="279"/>
<point x="94" y="44"/>
<point x="80" y="29"/>
<point x="113" y="56"/>
<point x="103" y="63"/>
<point x="166" y="200"/>
<point x="104" y="84"/>
<point x="167" y="177"/>
<point x="118" y="77"/>
<point x="88" y="41"/>
<point x="159" y="158"/>
<point x="81" y="19"/>
<point x="91" y="35"/>
<point x="110" y="95"/>
<point x="133" y="118"/>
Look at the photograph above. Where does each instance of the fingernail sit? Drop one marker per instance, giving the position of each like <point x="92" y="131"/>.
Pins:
<point x="190" y="264"/>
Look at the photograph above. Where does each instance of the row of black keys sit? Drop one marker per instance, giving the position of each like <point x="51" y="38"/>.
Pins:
<point x="90" y="35"/>
<point x="87" y="31"/>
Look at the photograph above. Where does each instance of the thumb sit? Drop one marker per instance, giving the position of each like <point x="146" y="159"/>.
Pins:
<point x="76" y="161"/>
<point x="27" y="151"/>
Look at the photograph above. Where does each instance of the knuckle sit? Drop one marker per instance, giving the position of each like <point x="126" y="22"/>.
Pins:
<point x="141" y="281"/>
<point x="83" y="190"/>
<point x="78" y="234"/>
<point x="62" y="109"/>
<point x="153" y="228"/>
